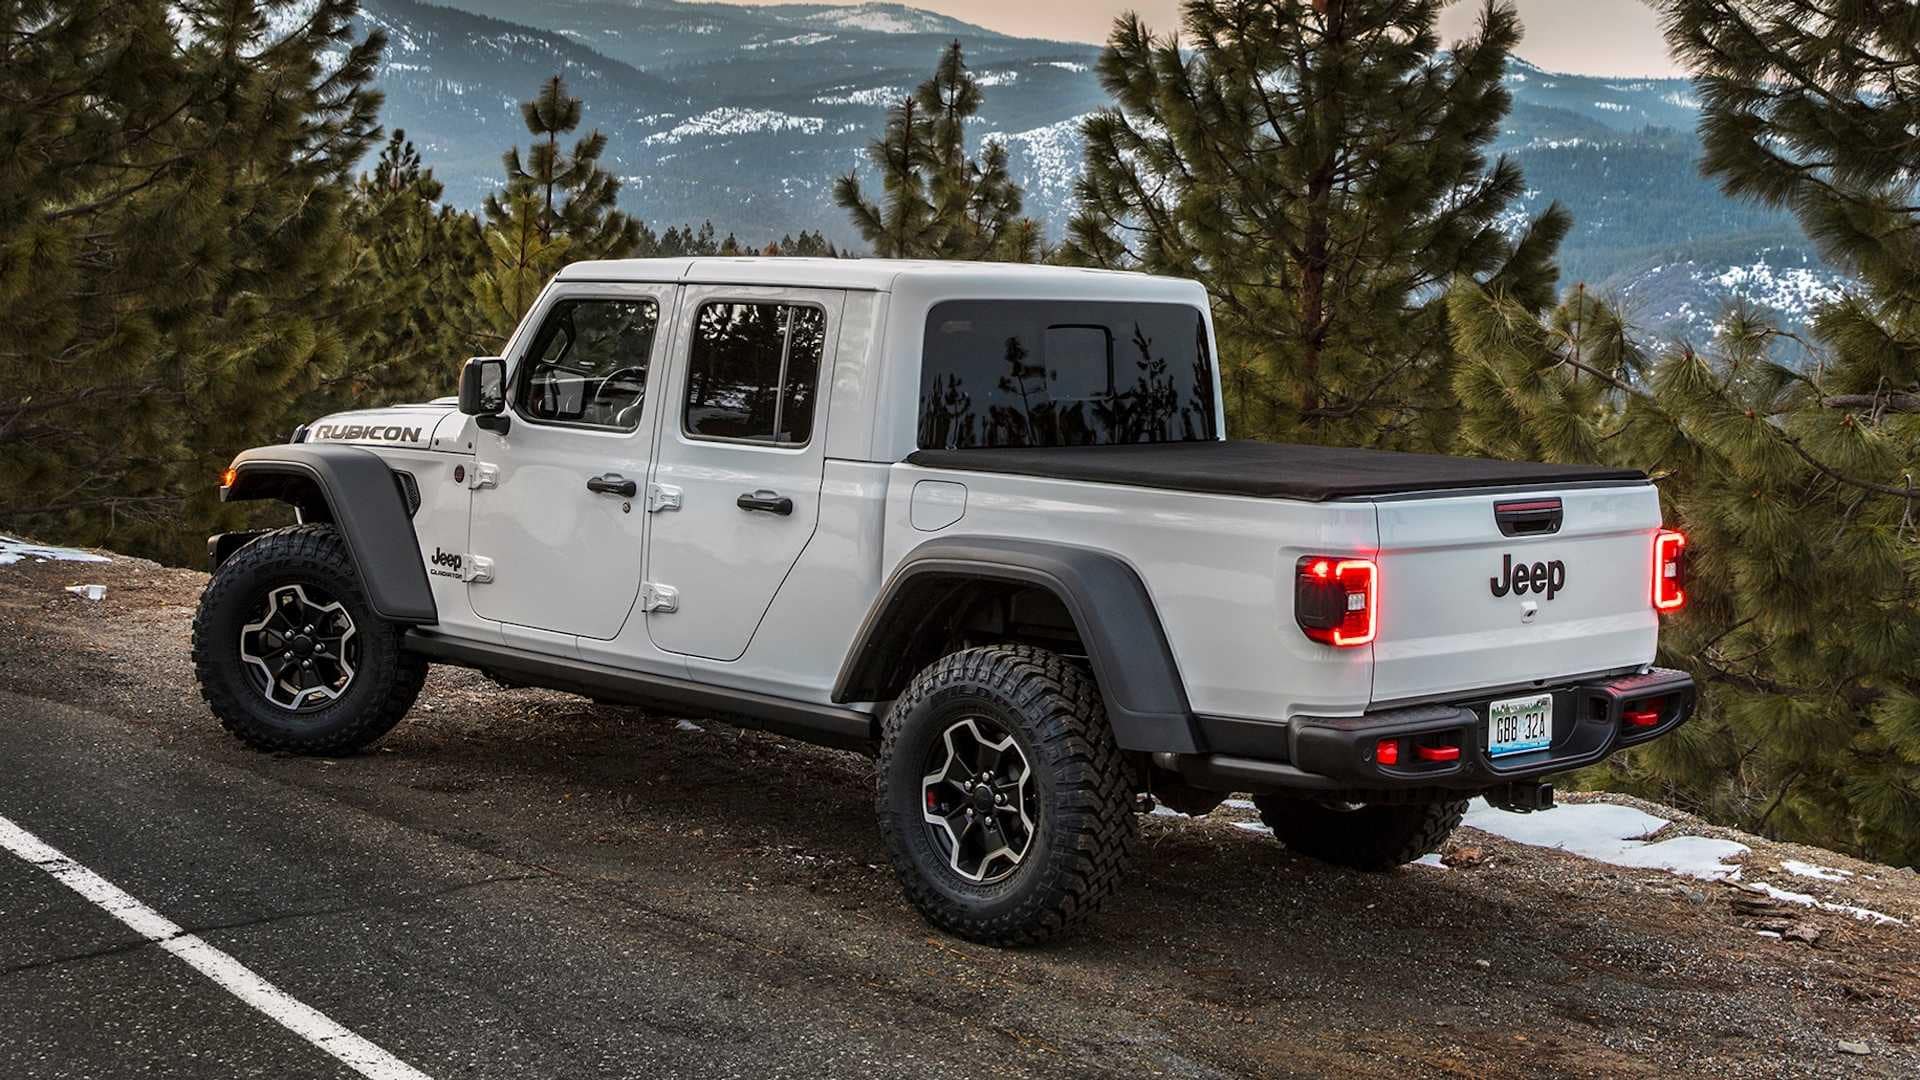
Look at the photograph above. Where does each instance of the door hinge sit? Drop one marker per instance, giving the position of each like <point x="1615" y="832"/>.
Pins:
<point x="483" y="476"/>
<point x="662" y="497"/>
<point x="659" y="597"/>
<point x="476" y="569"/>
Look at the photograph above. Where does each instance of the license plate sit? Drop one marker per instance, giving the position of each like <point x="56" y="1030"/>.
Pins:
<point x="1517" y="725"/>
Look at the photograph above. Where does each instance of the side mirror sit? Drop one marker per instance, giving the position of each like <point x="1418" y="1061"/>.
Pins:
<point x="483" y="391"/>
<point x="483" y="386"/>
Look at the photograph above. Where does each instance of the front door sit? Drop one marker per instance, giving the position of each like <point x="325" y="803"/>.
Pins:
<point x="563" y="520"/>
<point x="741" y="446"/>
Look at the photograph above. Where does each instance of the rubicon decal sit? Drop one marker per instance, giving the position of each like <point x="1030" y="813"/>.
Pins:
<point x="366" y="432"/>
<point x="1539" y="577"/>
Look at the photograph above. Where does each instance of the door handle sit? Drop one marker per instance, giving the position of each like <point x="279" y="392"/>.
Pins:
<point x="613" y="484"/>
<point x="771" y="502"/>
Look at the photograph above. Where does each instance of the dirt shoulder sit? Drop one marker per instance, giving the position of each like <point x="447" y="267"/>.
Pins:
<point x="1227" y="952"/>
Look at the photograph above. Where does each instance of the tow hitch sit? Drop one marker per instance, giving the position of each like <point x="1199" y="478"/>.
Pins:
<point x="1522" y="797"/>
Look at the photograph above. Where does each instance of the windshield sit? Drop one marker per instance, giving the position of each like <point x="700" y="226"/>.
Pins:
<point x="1064" y="373"/>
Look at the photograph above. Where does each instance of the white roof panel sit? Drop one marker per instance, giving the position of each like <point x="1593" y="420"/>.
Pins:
<point x="927" y="279"/>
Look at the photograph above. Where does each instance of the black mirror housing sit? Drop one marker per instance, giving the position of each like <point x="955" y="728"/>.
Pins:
<point x="483" y="386"/>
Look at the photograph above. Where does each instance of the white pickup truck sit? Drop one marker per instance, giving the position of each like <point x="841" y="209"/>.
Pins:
<point x="979" y="521"/>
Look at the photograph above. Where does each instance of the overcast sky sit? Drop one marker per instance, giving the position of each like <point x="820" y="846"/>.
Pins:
<point x="1592" y="37"/>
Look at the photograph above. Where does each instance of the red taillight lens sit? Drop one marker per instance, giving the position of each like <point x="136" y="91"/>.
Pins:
<point x="1669" y="570"/>
<point x="1336" y="600"/>
<point x="1387" y="751"/>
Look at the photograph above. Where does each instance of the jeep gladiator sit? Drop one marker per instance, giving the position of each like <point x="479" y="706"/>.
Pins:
<point x="979" y="521"/>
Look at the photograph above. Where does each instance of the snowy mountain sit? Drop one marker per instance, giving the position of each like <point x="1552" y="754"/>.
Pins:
<point x="745" y="115"/>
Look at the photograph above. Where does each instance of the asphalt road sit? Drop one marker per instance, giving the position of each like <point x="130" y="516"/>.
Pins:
<point x="456" y="961"/>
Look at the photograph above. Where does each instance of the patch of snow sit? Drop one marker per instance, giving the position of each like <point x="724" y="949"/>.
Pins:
<point x="1166" y="811"/>
<point x="1612" y="834"/>
<point x="687" y="725"/>
<point x="1818" y="873"/>
<point x="730" y="120"/>
<point x="88" y="592"/>
<point x="797" y="39"/>
<point x="13" y="550"/>
<point x="1044" y="160"/>
<point x="1431" y="859"/>
<point x="1612" y="106"/>
<point x="872" y="95"/>
<point x="997" y="78"/>
<point x="1067" y="65"/>
<point x="881" y="19"/>
<point x="1788" y="896"/>
<point x="1793" y="290"/>
<point x="1239" y="804"/>
<point x="1685" y="101"/>
<point x="1253" y="827"/>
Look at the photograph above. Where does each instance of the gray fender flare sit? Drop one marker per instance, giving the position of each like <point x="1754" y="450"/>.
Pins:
<point x="1111" y="609"/>
<point x="363" y="499"/>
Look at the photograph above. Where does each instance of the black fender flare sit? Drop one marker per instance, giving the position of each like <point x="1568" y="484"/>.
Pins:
<point x="363" y="498"/>
<point x="1111" y="609"/>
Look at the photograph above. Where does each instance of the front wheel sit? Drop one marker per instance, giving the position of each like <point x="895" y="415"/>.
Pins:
<point x="1364" y="836"/>
<point x="290" y="655"/>
<point x="1005" y="805"/>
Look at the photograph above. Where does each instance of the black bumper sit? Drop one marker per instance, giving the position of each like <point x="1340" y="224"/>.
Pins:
<point x="1330" y="754"/>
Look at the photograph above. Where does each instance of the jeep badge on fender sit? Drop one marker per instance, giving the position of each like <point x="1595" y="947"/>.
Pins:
<point x="1541" y="577"/>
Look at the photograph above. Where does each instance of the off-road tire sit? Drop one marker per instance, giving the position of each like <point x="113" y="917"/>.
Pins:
<point x="1375" y="836"/>
<point x="1086" y="834"/>
<point x="384" y="683"/>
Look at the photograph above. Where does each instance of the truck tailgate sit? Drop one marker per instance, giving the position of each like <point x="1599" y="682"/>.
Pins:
<point x="1464" y="607"/>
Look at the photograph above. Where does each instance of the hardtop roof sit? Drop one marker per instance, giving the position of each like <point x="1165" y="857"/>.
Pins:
<point x="882" y="275"/>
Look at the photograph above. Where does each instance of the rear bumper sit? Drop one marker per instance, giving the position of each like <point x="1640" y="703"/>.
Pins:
<point x="1337" y="754"/>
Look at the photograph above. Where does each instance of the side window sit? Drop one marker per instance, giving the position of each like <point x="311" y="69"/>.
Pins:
<point x="753" y="371"/>
<point x="588" y="364"/>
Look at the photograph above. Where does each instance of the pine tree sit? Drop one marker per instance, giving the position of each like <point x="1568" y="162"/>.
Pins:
<point x="937" y="202"/>
<point x="170" y="247"/>
<point x="576" y="196"/>
<point x="410" y="308"/>
<point x="518" y="261"/>
<point x="1321" y="168"/>
<point x="557" y="208"/>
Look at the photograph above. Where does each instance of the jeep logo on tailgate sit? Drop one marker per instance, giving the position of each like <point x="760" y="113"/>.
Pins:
<point x="1540" y="577"/>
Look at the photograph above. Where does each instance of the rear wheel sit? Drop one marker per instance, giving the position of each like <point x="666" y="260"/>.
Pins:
<point x="289" y="653"/>
<point x="1364" y="836"/>
<point x="1006" y="808"/>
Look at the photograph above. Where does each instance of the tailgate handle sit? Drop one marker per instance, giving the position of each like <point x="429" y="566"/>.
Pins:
<point x="1528" y="517"/>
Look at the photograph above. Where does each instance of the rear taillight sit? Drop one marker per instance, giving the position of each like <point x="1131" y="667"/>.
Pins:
<point x="1669" y="570"/>
<point x="1336" y="600"/>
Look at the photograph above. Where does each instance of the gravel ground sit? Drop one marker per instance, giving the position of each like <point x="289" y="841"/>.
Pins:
<point x="1227" y="953"/>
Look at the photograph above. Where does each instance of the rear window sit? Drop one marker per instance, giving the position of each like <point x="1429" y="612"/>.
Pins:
<point x="1064" y="373"/>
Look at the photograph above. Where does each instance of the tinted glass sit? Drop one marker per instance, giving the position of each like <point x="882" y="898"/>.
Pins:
<point x="1064" y="373"/>
<point x="753" y="372"/>
<point x="588" y="365"/>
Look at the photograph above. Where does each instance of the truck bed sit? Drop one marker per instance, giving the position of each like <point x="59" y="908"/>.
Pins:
<point x="1269" y="470"/>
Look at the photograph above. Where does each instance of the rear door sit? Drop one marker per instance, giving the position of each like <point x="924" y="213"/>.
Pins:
<point x="741" y="455"/>
<point x="1477" y="591"/>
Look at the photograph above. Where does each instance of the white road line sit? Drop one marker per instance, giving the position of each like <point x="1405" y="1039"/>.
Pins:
<point x="234" y="977"/>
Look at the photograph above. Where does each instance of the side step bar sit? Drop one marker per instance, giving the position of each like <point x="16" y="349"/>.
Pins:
<point x="828" y="725"/>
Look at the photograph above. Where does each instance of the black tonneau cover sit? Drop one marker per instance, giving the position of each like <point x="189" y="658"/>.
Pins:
<point x="1268" y="470"/>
